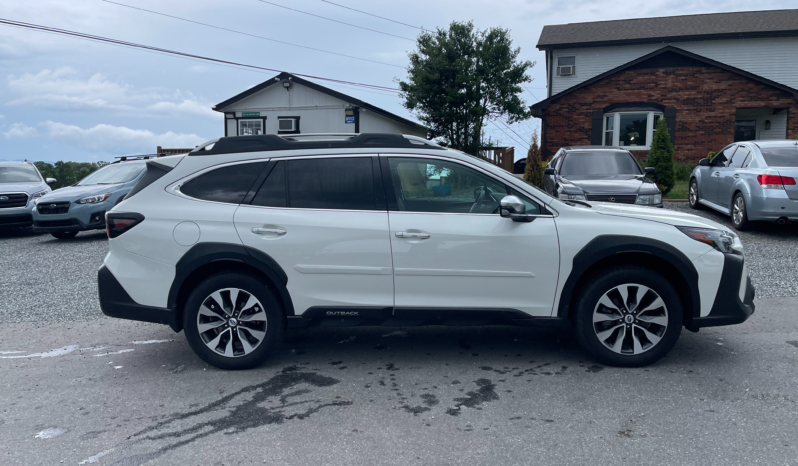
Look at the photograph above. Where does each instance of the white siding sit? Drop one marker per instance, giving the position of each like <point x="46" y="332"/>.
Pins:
<point x="371" y="122"/>
<point x="772" y="58"/>
<point x="778" y="122"/>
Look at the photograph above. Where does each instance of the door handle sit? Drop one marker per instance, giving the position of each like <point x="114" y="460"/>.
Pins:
<point x="405" y="234"/>
<point x="266" y="231"/>
<point x="716" y="174"/>
<point x="736" y="175"/>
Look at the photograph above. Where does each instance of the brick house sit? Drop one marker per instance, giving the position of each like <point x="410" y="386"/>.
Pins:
<point x="714" y="78"/>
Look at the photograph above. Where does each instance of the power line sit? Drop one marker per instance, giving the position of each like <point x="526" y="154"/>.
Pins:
<point x="377" y="16"/>
<point x="248" y="34"/>
<point x="508" y="127"/>
<point x="81" y="35"/>
<point x="336" y="21"/>
<point x="506" y="133"/>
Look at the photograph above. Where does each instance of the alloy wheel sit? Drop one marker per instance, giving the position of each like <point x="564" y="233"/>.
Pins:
<point x="630" y="319"/>
<point x="738" y="210"/>
<point x="232" y="322"/>
<point x="693" y="193"/>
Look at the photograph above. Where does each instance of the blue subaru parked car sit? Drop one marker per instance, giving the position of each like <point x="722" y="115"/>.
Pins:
<point x="67" y="211"/>
<point x="21" y="185"/>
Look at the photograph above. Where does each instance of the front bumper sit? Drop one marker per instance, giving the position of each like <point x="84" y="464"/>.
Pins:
<point x="734" y="301"/>
<point x="116" y="302"/>
<point x="16" y="220"/>
<point x="78" y="218"/>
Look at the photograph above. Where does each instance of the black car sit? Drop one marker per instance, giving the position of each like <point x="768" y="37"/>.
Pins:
<point x="600" y="174"/>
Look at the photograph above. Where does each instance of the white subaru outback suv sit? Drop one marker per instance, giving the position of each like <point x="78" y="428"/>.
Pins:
<point x="246" y="236"/>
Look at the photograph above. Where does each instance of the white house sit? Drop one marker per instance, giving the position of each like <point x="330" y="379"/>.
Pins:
<point x="288" y="104"/>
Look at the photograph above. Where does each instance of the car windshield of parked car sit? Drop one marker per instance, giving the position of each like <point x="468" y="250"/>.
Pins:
<point x="21" y="174"/>
<point x="781" y="156"/>
<point x="113" y="174"/>
<point x="599" y="164"/>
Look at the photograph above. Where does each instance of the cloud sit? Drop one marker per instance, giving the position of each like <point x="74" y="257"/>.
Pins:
<point x="20" y="130"/>
<point x="117" y="139"/>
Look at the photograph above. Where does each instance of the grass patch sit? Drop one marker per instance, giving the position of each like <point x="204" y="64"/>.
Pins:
<point x="679" y="191"/>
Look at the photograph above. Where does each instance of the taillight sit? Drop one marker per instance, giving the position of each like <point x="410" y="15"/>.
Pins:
<point x="117" y="223"/>
<point x="774" y="181"/>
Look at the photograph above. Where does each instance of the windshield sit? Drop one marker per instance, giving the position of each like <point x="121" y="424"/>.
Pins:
<point x="113" y="174"/>
<point x="20" y="174"/>
<point x="781" y="156"/>
<point x="602" y="163"/>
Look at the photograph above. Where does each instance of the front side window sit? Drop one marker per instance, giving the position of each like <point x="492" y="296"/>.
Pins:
<point x="20" y="174"/>
<point x="332" y="183"/>
<point x="250" y="127"/>
<point x="426" y="185"/>
<point x="566" y="66"/>
<point x="227" y="184"/>
<point x="630" y="130"/>
<point x="113" y="174"/>
<point x="599" y="163"/>
<point x="722" y="158"/>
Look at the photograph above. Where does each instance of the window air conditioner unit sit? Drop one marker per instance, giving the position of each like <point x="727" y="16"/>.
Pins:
<point x="566" y="70"/>
<point x="287" y="124"/>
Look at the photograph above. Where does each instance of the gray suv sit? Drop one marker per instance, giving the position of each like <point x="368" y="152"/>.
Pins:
<point x="21" y="185"/>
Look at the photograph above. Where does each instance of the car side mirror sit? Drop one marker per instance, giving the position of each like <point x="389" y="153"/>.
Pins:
<point x="549" y="172"/>
<point x="703" y="162"/>
<point x="650" y="170"/>
<point x="514" y="208"/>
<point x="50" y="180"/>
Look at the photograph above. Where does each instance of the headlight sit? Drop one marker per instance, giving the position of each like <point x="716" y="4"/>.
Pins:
<point x="721" y="240"/>
<point x="649" y="199"/>
<point x="94" y="199"/>
<point x="571" y="197"/>
<point x="35" y="196"/>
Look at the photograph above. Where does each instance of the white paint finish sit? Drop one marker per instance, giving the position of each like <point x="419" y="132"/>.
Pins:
<point x="150" y="342"/>
<point x="129" y="350"/>
<point x="371" y="122"/>
<point x="232" y="127"/>
<point x="772" y="58"/>
<point x="186" y="233"/>
<point x="475" y="261"/>
<point x="328" y="269"/>
<point x="96" y="458"/>
<point x="46" y="354"/>
<point x="335" y="240"/>
<point x="147" y="281"/>
<point x="710" y="269"/>
<point x="51" y="432"/>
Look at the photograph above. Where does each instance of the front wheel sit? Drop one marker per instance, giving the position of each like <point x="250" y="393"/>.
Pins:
<point x="739" y="215"/>
<point x="693" y="194"/>
<point x="233" y="321"/>
<point x="64" y="234"/>
<point x="628" y="316"/>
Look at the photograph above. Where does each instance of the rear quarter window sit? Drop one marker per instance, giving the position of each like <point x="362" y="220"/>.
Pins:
<point x="227" y="184"/>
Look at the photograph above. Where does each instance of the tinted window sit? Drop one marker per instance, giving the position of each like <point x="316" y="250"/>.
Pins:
<point x="272" y="191"/>
<point x="723" y="157"/>
<point x="603" y="163"/>
<point x="227" y="184"/>
<point x="739" y="157"/>
<point x="426" y="185"/>
<point x="20" y="174"/>
<point x="321" y="183"/>
<point x="781" y="156"/>
<point x="112" y="174"/>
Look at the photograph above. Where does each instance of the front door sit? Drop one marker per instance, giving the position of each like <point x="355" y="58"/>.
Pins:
<point x="324" y="221"/>
<point x="730" y="175"/>
<point x="710" y="189"/>
<point x="452" y="249"/>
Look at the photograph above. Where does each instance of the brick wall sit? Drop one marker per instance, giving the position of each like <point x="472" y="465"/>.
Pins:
<point x="705" y="99"/>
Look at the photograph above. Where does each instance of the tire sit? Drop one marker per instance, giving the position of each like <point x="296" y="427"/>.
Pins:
<point x="692" y="195"/>
<point x="739" y="213"/>
<point x="64" y="234"/>
<point x="615" y="342"/>
<point x="233" y="343"/>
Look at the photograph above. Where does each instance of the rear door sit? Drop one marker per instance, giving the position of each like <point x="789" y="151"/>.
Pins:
<point x="452" y="249"/>
<point x="324" y="221"/>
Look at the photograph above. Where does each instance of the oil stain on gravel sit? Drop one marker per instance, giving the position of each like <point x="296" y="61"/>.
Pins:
<point x="485" y="393"/>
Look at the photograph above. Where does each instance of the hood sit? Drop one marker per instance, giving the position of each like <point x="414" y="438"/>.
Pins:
<point x="30" y="188"/>
<point x="621" y="184"/>
<point x="667" y="216"/>
<point x="73" y="193"/>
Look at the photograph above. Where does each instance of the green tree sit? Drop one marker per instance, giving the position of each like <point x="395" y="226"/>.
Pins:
<point x="460" y="78"/>
<point x="661" y="158"/>
<point x="533" y="173"/>
<point x="67" y="173"/>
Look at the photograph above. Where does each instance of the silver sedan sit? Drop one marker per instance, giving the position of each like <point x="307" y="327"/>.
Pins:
<point x="749" y="181"/>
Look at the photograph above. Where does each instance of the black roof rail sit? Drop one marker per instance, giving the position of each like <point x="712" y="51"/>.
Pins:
<point x="125" y="158"/>
<point x="272" y="142"/>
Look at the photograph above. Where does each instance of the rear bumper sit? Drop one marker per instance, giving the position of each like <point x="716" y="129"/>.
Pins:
<point x="734" y="301"/>
<point x="116" y="302"/>
<point x="773" y="207"/>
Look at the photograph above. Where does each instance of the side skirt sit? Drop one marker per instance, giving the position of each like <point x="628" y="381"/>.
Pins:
<point x="415" y="317"/>
<point x="714" y="206"/>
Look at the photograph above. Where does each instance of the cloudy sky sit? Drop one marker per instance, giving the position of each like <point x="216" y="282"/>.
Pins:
<point x="64" y="98"/>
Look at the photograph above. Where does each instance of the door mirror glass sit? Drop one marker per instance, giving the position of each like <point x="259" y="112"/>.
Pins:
<point x="703" y="162"/>
<point x="549" y="171"/>
<point x="650" y="170"/>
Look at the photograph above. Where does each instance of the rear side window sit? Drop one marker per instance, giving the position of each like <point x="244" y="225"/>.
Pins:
<point x="272" y="191"/>
<point x="227" y="184"/>
<point x="331" y="183"/>
<point x="781" y="156"/>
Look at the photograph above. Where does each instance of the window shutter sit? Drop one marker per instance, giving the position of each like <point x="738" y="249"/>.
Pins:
<point x="670" y="121"/>
<point x="597" y="128"/>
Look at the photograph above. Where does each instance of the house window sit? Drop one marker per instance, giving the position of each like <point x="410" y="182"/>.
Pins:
<point x="250" y="127"/>
<point x="566" y="66"/>
<point x="630" y="130"/>
<point x="287" y="125"/>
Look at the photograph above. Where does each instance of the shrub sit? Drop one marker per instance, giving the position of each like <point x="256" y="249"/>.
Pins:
<point x="661" y="158"/>
<point x="683" y="170"/>
<point x="534" y="164"/>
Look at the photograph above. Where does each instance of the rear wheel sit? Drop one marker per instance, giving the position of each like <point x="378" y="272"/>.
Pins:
<point x="693" y="194"/>
<point x="64" y="234"/>
<point x="628" y="316"/>
<point x="233" y="321"/>
<point x="739" y="214"/>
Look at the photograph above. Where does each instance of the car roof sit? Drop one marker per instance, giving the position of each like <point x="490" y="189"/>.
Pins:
<point x="12" y="163"/>
<point x="773" y="143"/>
<point x="293" y="142"/>
<point x="594" y="148"/>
